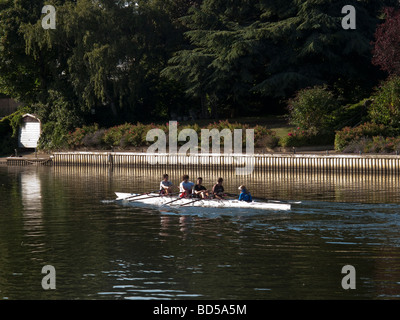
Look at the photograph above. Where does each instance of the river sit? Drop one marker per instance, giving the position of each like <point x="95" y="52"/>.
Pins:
<point x="67" y="217"/>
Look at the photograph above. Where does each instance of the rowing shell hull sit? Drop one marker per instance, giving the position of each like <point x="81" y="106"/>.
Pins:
<point x="155" y="200"/>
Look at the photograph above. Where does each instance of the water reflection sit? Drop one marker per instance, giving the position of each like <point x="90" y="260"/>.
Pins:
<point x="281" y="185"/>
<point x="103" y="250"/>
<point x="31" y="198"/>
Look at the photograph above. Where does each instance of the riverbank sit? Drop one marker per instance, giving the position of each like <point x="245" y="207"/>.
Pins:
<point x="296" y="160"/>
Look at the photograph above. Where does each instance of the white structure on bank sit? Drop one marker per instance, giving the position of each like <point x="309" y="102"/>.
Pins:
<point x="29" y="132"/>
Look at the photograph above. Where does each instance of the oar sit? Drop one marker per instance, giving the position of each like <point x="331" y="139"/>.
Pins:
<point x="190" y="202"/>
<point x="139" y="195"/>
<point x="155" y="196"/>
<point x="285" y="201"/>
<point x="145" y="198"/>
<point x="171" y="201"/>
<point x="268" y="200"/>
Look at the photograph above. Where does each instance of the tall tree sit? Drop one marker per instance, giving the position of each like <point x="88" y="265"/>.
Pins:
<point x="108" y="55"/>
<point x="386" y="50"/>
<point x="20" y="74"/>
<point x="245" y="51"/>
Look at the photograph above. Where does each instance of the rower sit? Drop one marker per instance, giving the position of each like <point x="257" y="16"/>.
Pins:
<point x="165" y="185"/>
<point x="218" y="189"/>
<point x="199" y="190"/>
<point x="185" y="187"/>
<point x="244" y="194"/>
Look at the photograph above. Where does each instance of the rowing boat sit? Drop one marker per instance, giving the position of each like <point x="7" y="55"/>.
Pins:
<point x="173" y="201"/>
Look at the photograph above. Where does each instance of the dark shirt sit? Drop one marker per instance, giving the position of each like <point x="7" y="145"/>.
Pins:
<point x="218" y="189"/>
<point x="199" y="187"/>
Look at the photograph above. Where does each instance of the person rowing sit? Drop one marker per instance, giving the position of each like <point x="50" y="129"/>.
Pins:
<point x="218" y="189"/>
<point x="165" y="185"/>
<point x="185" y="187"/>
<point x="244" y="194"/>
<point x="199" y="190"/>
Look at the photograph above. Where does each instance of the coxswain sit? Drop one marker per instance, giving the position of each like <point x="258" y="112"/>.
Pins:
<point x="244" y="194"/>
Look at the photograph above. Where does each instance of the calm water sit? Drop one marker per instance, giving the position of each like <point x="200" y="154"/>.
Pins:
<point x="66" y="217"/>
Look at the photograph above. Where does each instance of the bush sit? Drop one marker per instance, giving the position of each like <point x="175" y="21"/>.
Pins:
<point x="53" y="136"/>
<point x="9" y="126"/>
<point x="312" y="109"/>
<point x="94" y="139"/>
<point x="351" y="115"/>
<point x="58" y="118"/>
<point x="7" y="142"/>
<point x="263" y="137"/>
<point x="347" y="135"/>
<point x="129" y="135"/>
<point x="377" y="144"/>
<point x="82" y="136"/>
<point x="385" y="108"/>
<point x="299" y="138"/>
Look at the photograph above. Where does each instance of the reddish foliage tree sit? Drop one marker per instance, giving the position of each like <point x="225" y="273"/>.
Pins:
<point x="386" y="51"/>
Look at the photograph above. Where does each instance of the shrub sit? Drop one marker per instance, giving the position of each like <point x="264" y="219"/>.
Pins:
<point x="53" y="136"/>
<point x="265" y="138"/>
<point x="7" y="141"/>
<point x="357" y="146"/>
<point x="345" y="136"/>
<point x="94" y="139"/>
<point x="377" y="144"/>
<point x="113" y="135"/>
<point x="385" y="108"/>
<point x="351" y="115"/>
<point x="81" y="136"/>
<point x="298" y="138"/>
<point x="9" y="126"/>
<point x="129" y="135"/>
<point x="312" y="109"/>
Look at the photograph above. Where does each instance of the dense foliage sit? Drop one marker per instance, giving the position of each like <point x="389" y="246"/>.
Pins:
<point x="110" y="61"/>
<point x="127" y="136"/>
<point x="114" y="62"/>
<point x="312" y="109"/>
<point x="384" y="120"/>
<point x="385" y="108"/>
<point x="386" y="50"/>
<point x="9" y="132"/>
<point x="348" y="134"/>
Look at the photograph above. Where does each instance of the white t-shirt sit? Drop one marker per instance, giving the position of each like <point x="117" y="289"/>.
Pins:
<point x="186" y="186"/>
<point x="165" y="184"/>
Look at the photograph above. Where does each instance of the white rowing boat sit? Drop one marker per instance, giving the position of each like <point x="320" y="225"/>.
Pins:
<point x="173" y="201"/>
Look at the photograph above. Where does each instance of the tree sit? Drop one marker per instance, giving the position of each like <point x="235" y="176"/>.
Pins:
<point x="385" y="108"/>
<point x="219" y="65"/>
<point x="312" y="108"/>
<point x="386" y="50"/>
<point x="243" y="51"/>
<point x="21" y="76"/>
<point x="107" y="55"/>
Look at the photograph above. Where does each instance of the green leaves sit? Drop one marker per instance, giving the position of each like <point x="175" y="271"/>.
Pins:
<point x="312" y="109"/>
<point x="385" y="108"/>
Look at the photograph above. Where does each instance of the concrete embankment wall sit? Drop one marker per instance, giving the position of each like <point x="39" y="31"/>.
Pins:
<point x="384" y="164"/>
